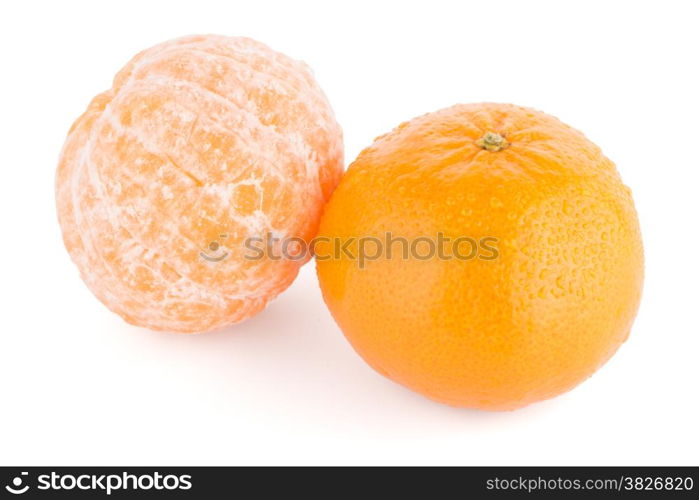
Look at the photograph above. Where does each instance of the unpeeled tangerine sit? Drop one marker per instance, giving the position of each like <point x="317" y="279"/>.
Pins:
<point x="202" y="142"/>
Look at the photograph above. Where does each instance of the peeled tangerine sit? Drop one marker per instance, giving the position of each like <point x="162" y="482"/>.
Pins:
<point x="544" y="288"/>
<point x="202" y="142"/>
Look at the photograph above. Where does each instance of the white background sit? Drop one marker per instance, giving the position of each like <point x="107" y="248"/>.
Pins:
<point x="79" y="386"/>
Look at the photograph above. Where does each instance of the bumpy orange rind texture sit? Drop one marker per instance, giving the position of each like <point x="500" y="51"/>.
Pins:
<point x="202" y="142"/>
<point x="493" y="334"/>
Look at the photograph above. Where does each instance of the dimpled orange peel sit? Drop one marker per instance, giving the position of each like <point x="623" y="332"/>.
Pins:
<point x="201" y="142"/>
<point x="509" y="327"/>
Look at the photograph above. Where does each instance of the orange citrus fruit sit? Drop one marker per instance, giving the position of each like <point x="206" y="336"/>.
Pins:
<point x="549" y="291"/>
<point x="202" y="142"/>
